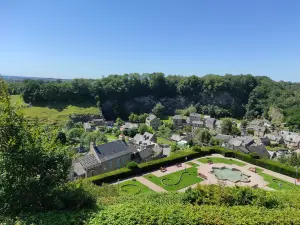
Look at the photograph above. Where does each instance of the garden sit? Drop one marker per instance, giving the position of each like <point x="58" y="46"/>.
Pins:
<point x="132" y="187"/>
<point x="177" y="180"/>
<point x="220" y="160"/>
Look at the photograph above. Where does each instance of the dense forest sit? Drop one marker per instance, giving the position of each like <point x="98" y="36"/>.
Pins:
<point x="220" y="96"/>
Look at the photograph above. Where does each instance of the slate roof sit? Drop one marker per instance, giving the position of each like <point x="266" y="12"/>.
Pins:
<point x="198" y="122"/>
<point x="176" y="137"/>
<point x="195" y="115"/>
<point x="259" y="150"/>
<point x="223" y="137"/>
<point x="210" y="121"/>
<point x="273" y="137"/>
<point x="112" y="150"/>
<point x="130" y="125"/>
<point x="146" y="153"/>
<point x="166" y="151"/>
<point x="88" y="161"/>
<point x="238" y="141"/>
<point x="139" y="138"/>
<point x="151" y="117"/>
<point x="78" y="169"/>
<point x="178" y="117"/>
<point x="293" y="138"/>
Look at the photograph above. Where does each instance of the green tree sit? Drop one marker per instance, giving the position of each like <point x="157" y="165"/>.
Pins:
<point x="164" y="131"/>
<point x="75" y="134"/>
<point x="119" y="122"/>
<point x="32" y="162"/>
<point x="158" y="110"/>
<point x="226" y="126"/>
<point x="244" y="123"/>
<point x="202" y="136"/>
<point x="95" y="136"/>
<point x="144" y="128"/>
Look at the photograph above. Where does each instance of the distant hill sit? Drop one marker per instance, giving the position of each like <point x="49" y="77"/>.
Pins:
<point x="20" y="78"/>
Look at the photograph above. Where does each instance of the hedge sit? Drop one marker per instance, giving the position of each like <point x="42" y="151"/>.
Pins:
<point x="196" y="152"/>
<point x="148" y="166"/>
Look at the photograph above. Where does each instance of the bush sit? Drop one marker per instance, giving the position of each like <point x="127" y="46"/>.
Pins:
<point x="254" y="155"/>
<point x="132" y="165"/>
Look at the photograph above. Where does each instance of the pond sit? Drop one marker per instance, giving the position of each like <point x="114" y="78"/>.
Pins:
<point x="234" y="175"/>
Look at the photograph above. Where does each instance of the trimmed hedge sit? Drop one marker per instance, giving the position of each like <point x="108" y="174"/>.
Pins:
<point x="148" y="166"/>
<point x="196" y="152"/>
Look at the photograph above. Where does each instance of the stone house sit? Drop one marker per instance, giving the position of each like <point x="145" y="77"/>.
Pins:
<point x="259" y="132"/>
<point x="103" y="158"/>
<point x="178" y="121"/>
<point x="88" y="126"/>
<point x="275" y="139"/>
<point x="128" y="126"/>
<point x="153" y="121"/>
<point x="196" y="125"/>
<point x="210" y="123"/>
<point x="292" y="141"/>
<point x="193" y="117"/>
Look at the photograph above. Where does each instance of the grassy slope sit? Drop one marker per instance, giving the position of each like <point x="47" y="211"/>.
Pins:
<point x="161" y="140"/>
<point x="221" y="160"/>
<point x="132" y="190"/>
<point x="187" y="179"/>
<point x="111" y="137"/>
<point x="46" y="114"/>
<point x="275" y="183"/>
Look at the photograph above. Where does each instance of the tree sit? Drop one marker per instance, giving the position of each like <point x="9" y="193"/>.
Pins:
<point x="119" y="122"/>
<point x="61" y="137"/>
<point x="202" y="136"/>
<point x="75" y="134"/>
<point x="144" y="128"/>
<point x="226" y="126"/>
<point x="32" y="162"/>
<point x="244" y="123"/>
<point x="175" y="147"/>
<point x="95" y="136"/>
<point x="164" y="131"/>
<point x="158" y="110"/>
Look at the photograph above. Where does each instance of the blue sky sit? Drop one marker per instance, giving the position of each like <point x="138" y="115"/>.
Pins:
<point x="75" y="38"/>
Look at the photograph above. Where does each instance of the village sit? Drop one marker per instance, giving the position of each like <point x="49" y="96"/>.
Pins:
<point x="160" y="138"/>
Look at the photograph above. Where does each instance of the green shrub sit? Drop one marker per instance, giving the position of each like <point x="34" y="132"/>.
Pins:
<point x="254" y="155"/>
<point x="132" y="165"/>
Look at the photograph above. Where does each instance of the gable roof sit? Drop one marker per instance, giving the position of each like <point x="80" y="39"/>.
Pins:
<point x="178" y="117"/>
<point x="145" y="153"/>
<point x="210" y="121"/>
<point x="176" y="137"/>
<point x="259" y="150"/>
<point x="151" y="117"/>
<point x="195" y="115"/>
<point x="112" y="150"/>
<point x="223" y="137"/>
<point x="88" y="161"/>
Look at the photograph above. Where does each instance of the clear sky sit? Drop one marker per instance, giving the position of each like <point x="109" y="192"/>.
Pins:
<point x="77" y="38"/>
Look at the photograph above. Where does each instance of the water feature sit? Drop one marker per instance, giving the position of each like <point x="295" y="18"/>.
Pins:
<point x="233" y="174"/>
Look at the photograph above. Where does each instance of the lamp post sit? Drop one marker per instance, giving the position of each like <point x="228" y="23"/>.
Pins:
<point x="185" y="164"/>
<point x="296" y="175"/>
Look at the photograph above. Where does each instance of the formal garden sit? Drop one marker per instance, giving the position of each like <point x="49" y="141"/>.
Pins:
<point x="177" y="180"/>
<point x="132" y="187"/>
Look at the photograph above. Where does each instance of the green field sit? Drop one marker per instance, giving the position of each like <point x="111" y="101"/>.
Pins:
<point x="111" y="137"/>
<point x="187" y="179"/>
<point x="55" y="113"/>
<point x="221" y="160"/>
<point x="274" y="182"/>
<point x="161" y="140"/>
<point x="133" y="187"/>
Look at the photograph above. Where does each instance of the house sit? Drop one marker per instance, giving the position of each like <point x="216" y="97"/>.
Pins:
<point x="128" y="126"/>
<point x="267" y="123"/>
<point x="259" y="131"/>
<point x="109" y="123"/>
<point x="153" y="121"/>
<point x="240" y="141"/>
<point x="210" y="123"/>
<point x="218" y="125"/>
<point x="146" y="137"/>
<point x="161" y="151"/>
<point x="193" y="117"/>
<point x="264" y="140"/>
<point x="178" y="120"/>
<point x="255" y="123"/>
<point x="196" y="125"/>
<point x="98" y="122"/>
<point x="88" y="127"/>
<point x="292" y="141"/>
<point x="103" y="158"/>
<point x="223" y="137"/>
<point x="284" y="133"/>
<point x="260" y="150"/>
<point x="176" y="137"/>
<point x="275" y="139"/>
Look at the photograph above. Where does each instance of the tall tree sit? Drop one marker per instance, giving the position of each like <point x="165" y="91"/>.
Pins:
<point x="32" y="162"/>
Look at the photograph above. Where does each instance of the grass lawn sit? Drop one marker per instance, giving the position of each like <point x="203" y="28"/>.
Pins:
<point x="192" y="164"/>
<point x="133" y="188"/>
<point x="161" y="140"/>
<point x="111" y="137"/>
<point x="167" y="119"/>
<point x="57" y="113"/>
<point x="275" y="183"/>
<point x="221" y="160"/>
<point x="189" y="178"/>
